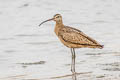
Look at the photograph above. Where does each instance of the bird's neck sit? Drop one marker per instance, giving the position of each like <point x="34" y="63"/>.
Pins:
<point x="58" y="26"/>
<point x="59" y="23"/>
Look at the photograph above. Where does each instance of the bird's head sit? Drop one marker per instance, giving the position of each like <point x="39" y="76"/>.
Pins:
<point x="56" y="18"/>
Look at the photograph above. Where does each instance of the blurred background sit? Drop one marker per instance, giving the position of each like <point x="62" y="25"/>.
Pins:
<point x="30" y="52"/>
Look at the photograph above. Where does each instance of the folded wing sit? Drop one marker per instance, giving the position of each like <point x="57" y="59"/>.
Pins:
<point x="75" y="36"/>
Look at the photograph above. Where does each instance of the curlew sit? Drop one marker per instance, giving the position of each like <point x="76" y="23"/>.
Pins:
<point x="72" y="38"/>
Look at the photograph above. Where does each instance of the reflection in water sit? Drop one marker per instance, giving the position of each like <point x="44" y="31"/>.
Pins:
<point x="74" y="77"/>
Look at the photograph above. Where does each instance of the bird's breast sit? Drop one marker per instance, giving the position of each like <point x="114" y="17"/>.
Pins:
<point x="56" y="30"/>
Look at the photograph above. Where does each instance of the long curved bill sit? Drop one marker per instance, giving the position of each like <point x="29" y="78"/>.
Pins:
<point x="46" y="21"/>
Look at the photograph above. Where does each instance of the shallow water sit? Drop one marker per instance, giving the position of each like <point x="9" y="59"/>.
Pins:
<point x="30" y="52"/>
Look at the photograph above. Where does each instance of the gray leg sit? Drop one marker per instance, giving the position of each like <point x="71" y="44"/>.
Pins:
<point x="74" y="56"/>
<point x="73" y="64"/>
<point x="72" y="60"/>
<point x="74" y="73"/>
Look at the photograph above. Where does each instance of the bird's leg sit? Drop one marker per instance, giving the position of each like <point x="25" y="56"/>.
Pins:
<point x="72" y="60"/>
<point x="74" y="73"/>
<point x="74" y="56"/>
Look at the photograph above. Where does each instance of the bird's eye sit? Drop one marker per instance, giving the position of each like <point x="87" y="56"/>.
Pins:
<point x="57" y="17"/>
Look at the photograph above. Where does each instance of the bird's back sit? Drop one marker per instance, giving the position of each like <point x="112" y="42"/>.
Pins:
<point x="74" y="38"/>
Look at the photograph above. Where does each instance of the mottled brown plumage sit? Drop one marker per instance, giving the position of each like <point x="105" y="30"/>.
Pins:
<point x="72" y="38"/>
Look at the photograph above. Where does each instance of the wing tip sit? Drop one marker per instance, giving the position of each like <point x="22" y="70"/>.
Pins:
<point x="101" y="46"/>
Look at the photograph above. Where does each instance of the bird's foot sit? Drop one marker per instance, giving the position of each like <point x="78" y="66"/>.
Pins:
<point x="73" y="72"/>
